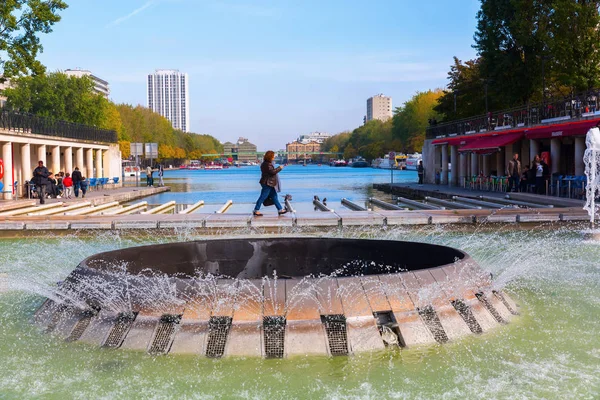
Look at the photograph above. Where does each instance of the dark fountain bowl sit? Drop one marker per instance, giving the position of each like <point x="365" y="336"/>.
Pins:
<point x="275" y="297"/>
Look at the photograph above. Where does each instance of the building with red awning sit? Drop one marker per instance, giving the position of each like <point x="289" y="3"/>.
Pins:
<point x="561" y="141"/>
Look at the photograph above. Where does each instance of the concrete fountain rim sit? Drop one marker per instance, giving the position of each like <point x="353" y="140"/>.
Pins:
<point x="129" y="256"/>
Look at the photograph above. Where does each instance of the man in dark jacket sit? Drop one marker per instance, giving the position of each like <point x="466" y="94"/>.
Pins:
<point x="420" y="172"/>
<point x="513" y="171"/>
<point x="40" y="178"/>
<point x="76" y="176"/>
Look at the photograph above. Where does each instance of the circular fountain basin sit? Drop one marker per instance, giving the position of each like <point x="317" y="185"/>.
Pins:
<point x="275" y="297"/>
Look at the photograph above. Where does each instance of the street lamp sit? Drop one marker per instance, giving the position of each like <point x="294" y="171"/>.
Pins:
<point x="455" y="93"/>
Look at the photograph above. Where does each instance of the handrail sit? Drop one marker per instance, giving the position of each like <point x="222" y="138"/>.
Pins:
<point x="29" y="123"/>
<point x="572" y="107"/>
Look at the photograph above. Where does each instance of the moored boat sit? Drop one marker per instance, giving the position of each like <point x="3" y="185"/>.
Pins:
<point x="359" y="162"/>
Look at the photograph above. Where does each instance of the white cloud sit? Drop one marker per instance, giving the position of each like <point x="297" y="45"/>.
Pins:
<point x="132" y="14"/>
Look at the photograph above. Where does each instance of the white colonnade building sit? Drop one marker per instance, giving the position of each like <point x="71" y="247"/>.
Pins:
<point x="62" y="146"/>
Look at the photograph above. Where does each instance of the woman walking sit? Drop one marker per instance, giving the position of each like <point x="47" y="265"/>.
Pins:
<point x="269" y="181"/>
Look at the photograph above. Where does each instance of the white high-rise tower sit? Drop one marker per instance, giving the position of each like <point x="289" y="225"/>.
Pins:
<point x="168" y="95"/>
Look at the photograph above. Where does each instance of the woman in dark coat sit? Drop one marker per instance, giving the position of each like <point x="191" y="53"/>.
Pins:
<point x="269" y="181"/>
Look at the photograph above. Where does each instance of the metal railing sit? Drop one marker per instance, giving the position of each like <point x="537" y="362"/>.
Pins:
<point x="576" y="106"/>
<point x="38" y="125"/>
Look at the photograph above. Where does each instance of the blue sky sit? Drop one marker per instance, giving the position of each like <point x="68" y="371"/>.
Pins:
<point x="267" y="70"/>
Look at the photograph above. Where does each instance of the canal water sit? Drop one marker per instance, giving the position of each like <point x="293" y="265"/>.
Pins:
<point x="551" y="351"/>
<point x="303" y="183"/>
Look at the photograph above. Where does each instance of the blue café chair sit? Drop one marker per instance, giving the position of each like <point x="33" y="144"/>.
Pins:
<point x="93" y="183"/>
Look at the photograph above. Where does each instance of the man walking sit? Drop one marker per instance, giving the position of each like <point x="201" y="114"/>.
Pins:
<point x="76" y="177"/>
<point x="513" y="171"/>
<point x="40" y="178"/>
<point x="149" y="179"/>
<point x="420" y="171"/>
<point x="161" y="172"/>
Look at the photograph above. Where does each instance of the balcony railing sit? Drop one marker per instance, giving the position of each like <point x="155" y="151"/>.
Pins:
<point x="35" y="124"/>
<point x="571" y="107"/>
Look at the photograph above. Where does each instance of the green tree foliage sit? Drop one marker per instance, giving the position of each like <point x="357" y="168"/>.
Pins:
<point x="20" y="23"/>
<point x="510" y="38"/>
<point x="73" y="99"/>
<point x="59" y="96"/>
<point x="526" y="48"/>
<point x="350" y="151"/>
<point x="574" y="44"/>
<point x="412" y="119"/>
<point x="405" y="132"/>
<point x="466" y="88"/>
<point x="142" y="125"/>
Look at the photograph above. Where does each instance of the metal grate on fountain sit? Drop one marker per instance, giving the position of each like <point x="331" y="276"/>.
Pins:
<point x="467" y="315"/>
<point x="81" y="325"/>
<point x="274" y="336"/>
<point x="218" y="329"/>
<point x="121" y="328"/>
<point x="337" y="337"/>
<point x="486" y="303"/>
<point x="165" y="333"/>
<point x="432" y="321"/>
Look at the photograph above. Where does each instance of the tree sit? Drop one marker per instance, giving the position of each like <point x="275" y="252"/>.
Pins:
<point x="125" y="148"/>
<point x="20" y="23"/>
<point x="62" y="97"/>
<point x="574" y="46"/>
<point x="511" y="38"/>
<point x="411" y="120"/>
<point x="179" y="153"/>
<point x="349" y="152"/>
<point x="465" y="90"/>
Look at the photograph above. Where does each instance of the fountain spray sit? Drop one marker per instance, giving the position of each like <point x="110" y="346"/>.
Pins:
<point x="591" y="158"/>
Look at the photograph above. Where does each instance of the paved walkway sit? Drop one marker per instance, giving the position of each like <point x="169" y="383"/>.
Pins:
<point x="95" y="197"/>
<point x="446" y="192"/>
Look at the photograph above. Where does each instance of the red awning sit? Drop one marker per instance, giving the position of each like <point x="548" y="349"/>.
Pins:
<point x="457" y="140"/>
<point x="492" y="143"/>
<point x="578" y="128"/>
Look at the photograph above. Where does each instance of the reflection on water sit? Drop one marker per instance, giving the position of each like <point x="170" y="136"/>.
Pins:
<point x="552" y="351"/>
<point x="303" y="183"/>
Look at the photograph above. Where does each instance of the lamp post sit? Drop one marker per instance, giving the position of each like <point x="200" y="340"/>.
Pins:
<point x="486" y="96"/>
<point x="455" y="92"/>
<point x="544" y="58"/>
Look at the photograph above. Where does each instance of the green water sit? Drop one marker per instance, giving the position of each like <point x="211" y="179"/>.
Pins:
<point x="551" y="351"/>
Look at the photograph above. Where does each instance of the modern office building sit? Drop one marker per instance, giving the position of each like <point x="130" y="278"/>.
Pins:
<point x="168" y="95"/>
<point x="318" y="137"/>
<point x="379" y="107"/>
<point x="100" y="85"/>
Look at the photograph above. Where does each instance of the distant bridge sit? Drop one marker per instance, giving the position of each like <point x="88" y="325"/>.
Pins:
<point x="262" y="153"/>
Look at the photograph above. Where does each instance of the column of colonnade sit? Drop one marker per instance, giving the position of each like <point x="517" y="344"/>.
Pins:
<point x="7" y="179"/>
<point x="463" y="168"/>
<point x="454" y="166"/>
<point x="55" y="166"/>
<point x="444" y="176"/>
<point x="89" y="162"/>
<point x="555" y="144"/>
<point x="98" y="164"/>
<point x="41" y="154"/>
<point x="486" y="159"/>
<point x="19" y="158"/>
<point x="579" y="151"/>
<point x="69" y="160"/>
<point x="79" y="159"/>
<point x="500" y="169"/>
<point x="474" y="164"/>
<point x="26" y="163"/>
